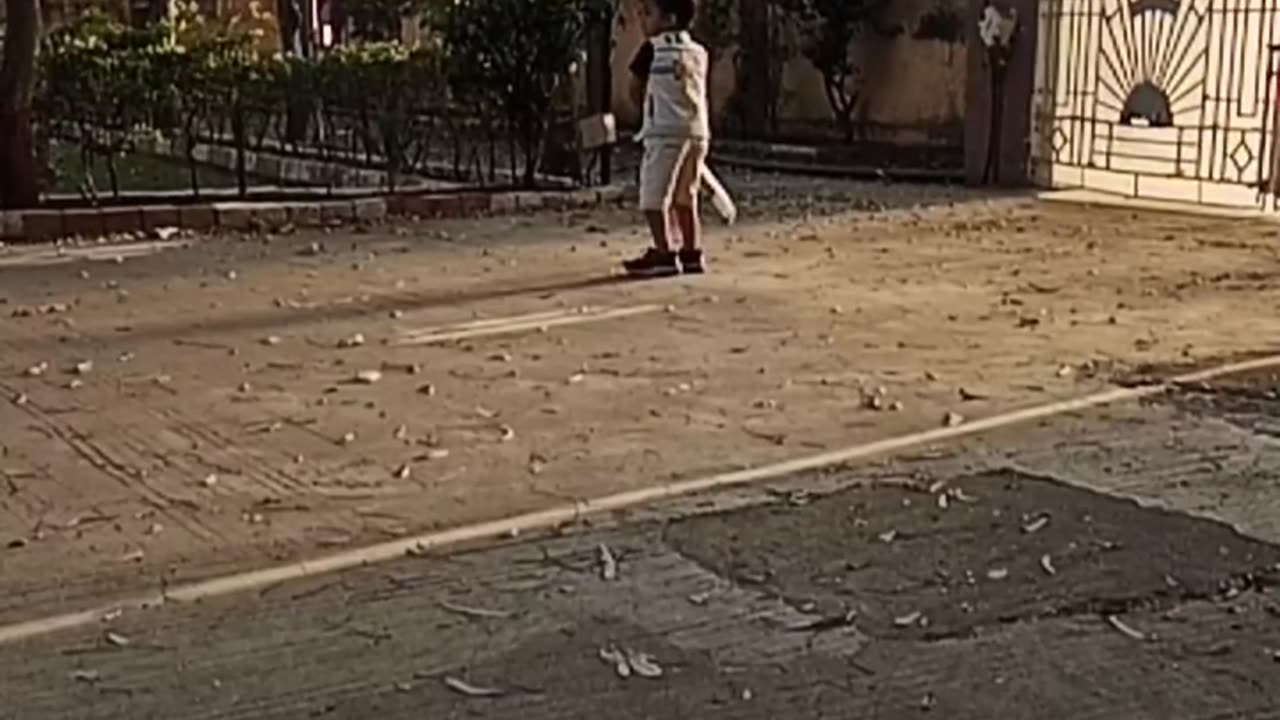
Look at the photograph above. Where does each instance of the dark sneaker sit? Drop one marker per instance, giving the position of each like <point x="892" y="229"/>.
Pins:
<point x="691" y="262"/>
<point x="654" y="263"/>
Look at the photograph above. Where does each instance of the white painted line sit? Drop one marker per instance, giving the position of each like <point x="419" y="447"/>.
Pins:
<point x="522" y="325"/>
<point x="488" y="322"/>
<point x="555" y="516"/>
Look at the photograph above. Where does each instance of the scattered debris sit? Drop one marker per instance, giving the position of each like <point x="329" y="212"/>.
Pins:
<point x="86" y="676"/>
<point x="465" y="688"/>
<point x="353" y="341"/>
<point x="428" y="389"/>
<point x="608" y="563"/>
<point x="404" y="472"/>
<point x="507" y="433"/>
<point x="1124" y="629"/>
<point x="888" y="536"/>
<point x="347" y="438"/>
<point x="997" y="574"/>
<point x="1036" y="525"/>
<point x="84" y="367"/>
<point x="116" y="639"/>
<point x="969" y="396"/>
<point x="210" y="480"/>
<point x="38" y="369"/>
<point x="271" y="340"/>
<point x="953" y="419"/>
<point x="1065" y="370"/>
<point x="627" y="662"/>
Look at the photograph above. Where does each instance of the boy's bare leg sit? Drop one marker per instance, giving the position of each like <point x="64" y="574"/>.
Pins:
<point x="690" y="225"/>
<point x="660" y="228"/>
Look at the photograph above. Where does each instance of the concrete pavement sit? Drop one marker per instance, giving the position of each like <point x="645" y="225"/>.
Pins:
<point x="985" y="581"/>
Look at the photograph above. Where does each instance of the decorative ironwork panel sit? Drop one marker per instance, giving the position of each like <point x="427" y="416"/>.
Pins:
<point x="1177" y="89"/>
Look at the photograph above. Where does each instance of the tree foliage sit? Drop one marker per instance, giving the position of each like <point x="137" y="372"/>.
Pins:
<point x="486" y="65"/>
<point x="513" y="54"/>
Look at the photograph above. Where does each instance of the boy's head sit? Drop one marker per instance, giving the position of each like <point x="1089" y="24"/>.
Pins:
<point x="660" y="15"/>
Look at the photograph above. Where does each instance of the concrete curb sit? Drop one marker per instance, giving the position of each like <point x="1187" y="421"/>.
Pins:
<point x="44" y="225"/>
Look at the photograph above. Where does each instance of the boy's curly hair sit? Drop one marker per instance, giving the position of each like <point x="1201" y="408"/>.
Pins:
<point x="684" y="11"/>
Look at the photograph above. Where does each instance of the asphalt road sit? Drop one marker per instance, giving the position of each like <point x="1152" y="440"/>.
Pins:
<point x="1117" y="563"/>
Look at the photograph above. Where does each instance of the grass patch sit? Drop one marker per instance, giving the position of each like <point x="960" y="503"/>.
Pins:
<point x="136" y="172"/>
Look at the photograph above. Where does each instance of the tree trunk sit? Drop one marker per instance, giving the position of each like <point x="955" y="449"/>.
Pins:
<point x="19" y="173"/>
<point x="754" y="81"/>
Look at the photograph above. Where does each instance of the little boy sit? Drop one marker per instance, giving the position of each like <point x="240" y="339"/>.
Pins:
<point x="669" y="81"/>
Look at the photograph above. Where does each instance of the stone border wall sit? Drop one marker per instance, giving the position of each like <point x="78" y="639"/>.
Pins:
<point x="53" y="224"/>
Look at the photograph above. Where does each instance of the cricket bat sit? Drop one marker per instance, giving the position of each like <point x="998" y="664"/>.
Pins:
<point x="720" y="198"/>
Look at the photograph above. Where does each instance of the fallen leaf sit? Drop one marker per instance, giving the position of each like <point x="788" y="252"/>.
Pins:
<point x="1046" y="564"/>
<point x="909" y="619"/>
<point x="608" y="563"/>
<point x="462" y="686"/>
<point x="1036" y="525"/>
<point x="644" y="665"/>
<point x="617" y="659"/>
<point x="368" y="377"/>
<point x="1124" y="629"/>
<point x="474" y="611"/>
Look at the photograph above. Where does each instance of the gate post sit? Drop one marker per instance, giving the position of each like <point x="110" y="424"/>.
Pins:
<point x="1012" y="151"/>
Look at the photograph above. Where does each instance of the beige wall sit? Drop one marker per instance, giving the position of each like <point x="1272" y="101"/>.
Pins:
<point x="913" y="88"/>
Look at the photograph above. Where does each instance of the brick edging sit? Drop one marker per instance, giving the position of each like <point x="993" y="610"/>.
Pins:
<point x="53" y="224"/>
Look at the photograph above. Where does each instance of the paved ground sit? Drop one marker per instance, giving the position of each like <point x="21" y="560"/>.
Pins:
<point x="216" y="408"/>
<point x="857" y="593"/>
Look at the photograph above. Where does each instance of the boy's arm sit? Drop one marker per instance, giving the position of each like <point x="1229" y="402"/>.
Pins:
<point x="639" y="67"/>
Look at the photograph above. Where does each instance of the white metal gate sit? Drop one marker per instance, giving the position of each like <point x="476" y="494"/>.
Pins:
<point x="1161" y="99"/>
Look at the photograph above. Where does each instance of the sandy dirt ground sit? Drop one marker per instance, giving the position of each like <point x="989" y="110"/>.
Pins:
<point x="247" y="400"/>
